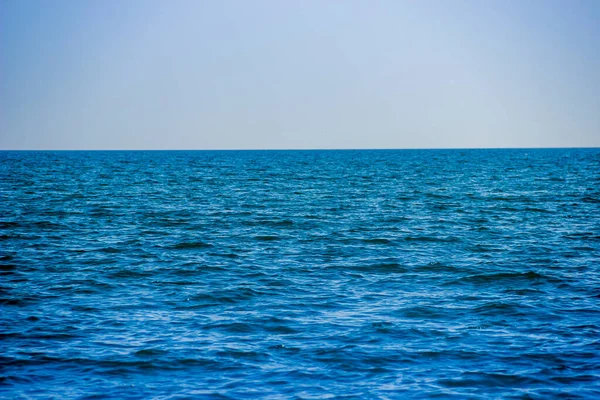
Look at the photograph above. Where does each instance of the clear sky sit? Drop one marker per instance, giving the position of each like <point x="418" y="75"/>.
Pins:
<point x="193" y="74"/>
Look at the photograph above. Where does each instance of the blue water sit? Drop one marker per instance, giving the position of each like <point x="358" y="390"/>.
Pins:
<point x="300" y="274"/>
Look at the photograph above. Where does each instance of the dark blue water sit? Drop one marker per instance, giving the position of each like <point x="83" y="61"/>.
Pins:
<point x="300" y="274"/>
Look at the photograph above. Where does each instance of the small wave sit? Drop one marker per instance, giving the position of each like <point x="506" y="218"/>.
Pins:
<point x="176" y="283"/>
<point x="284" y="348"/>
<point x="438" y="196"/>
<point x="590" y="199"/>
<point x="582" y="236"/>
<point x="190" y="245"/>
<point x="48" y="225"/>
<point x="432" y="239"/>
<point x="111" y="250"/>
<point x="424" y="312"/>
<point x="277" y="325"/>
<point x="381" y="327"/>
<point x="241" y="354"/>
<point x="282" y="223"/>
<point x="483" y="248"/>
<point x="232" y="327"/>
<point x="150" y="353"/>
<point x="486" y="380"/>
<point x="394" y="219"/>
<point x="436" y="267"/>
<point x="17" y="301"/>
<point x="501" y="309"/>
<point x="130" y="273"/>
<point x="50" y="336"/>
<point x="389" y="267"/>
<point x="538" y="210"/>
<point x="12" y="379"/>
<point x="267" y="238"/>
<point x="377" y="241"/>
<point x="8" y="267"/>
<point x="530" y="276"/>
<point x="226" y="296"/>
<point x="523" y="292"/>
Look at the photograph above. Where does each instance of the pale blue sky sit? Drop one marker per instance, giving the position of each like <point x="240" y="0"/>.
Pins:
<point x="192" y="74"/>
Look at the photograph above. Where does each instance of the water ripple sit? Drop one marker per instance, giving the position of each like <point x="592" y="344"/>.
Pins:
<point x="300" y="274"/>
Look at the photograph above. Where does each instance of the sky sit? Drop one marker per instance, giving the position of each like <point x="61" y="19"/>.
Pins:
<point x="194" y="74"/>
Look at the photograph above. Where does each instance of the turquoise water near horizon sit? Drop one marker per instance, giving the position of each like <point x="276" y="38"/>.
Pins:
<point x="300" y="274"/>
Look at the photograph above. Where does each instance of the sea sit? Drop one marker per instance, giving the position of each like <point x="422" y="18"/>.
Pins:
<point x="333" y="274"/>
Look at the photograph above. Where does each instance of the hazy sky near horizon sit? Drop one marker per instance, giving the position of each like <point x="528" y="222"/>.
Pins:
<point x="193" y="74"/>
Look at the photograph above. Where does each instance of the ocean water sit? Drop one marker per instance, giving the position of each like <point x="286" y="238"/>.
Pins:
<point x="468" y="274"/>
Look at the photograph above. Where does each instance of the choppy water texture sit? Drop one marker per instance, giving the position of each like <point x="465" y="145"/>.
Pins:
<point x="300" y="274"/>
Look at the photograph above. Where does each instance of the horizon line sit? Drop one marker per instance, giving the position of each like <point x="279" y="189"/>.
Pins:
<point x="322" y="149"/>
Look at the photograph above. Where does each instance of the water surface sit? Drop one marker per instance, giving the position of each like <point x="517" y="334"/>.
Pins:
<point x="300" y="274"/>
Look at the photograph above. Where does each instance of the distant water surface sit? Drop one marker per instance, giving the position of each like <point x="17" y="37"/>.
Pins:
<point x="300" y="274"/>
